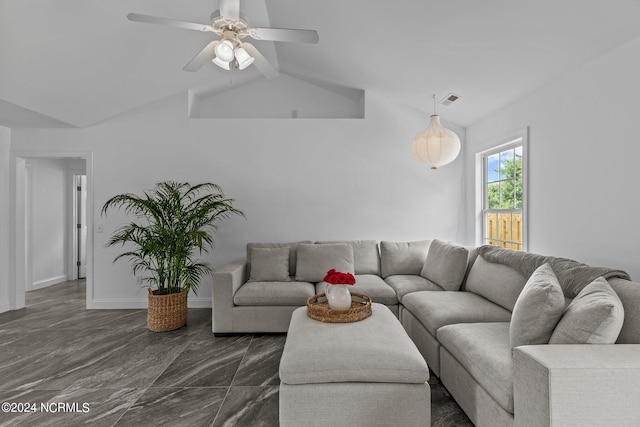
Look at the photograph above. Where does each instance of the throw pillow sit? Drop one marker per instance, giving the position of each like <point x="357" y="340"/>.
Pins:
<point x="595" y="316"/>
<point x="537" y="309"/>
<point x="445" y="265"/>
<point x="315" y="260"/>
<point x="269" y="264"/>
<point x="402" y="257"/>
<point x="292" y="253"/>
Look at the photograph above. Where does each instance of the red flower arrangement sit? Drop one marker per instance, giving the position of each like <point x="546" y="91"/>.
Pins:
<point x="334" y="277"/>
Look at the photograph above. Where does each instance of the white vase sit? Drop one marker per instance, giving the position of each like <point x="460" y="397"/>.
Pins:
<point x="338" y="297"/>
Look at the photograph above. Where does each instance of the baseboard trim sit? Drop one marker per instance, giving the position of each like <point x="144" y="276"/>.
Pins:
<point x="135" y="303"/>
<point x="4" y="306"/>
<point x="49" y="282"/>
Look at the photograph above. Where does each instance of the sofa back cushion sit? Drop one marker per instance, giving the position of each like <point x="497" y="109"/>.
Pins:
<point x="496" y="282"/>
<point x="292" y="253"/>
<point x="313" y="261"/>
<point x="473" y="255"/>
<point x="595" y="316"/>
<point x="402" y="257"/>
<point x="629" y="294"/>
<point x="269" y="264"/>
<point x="366" y="257"/>
<point x="446" y="265"/>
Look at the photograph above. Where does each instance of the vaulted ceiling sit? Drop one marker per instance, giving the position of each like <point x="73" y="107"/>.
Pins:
<point x="78" y="62"/>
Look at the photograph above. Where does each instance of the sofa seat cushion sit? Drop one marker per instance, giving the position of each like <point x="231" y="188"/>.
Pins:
<point x="403" y="284"/>
<point x="274" y="293"/>
<point x="371" y="285"/>
<point x="435" y="309"/>
<point x="485" y="352"/>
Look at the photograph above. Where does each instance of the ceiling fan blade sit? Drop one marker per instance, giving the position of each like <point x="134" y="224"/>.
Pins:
<point x="206" y="54"/>
<point x="261" y="62"/>
<point x="230" y="9"/>
<point x="284" y="35"/>
<point x="147" y="19"/>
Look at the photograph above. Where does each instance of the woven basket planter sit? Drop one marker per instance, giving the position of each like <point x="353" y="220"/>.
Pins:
<point x="166" y="312"/>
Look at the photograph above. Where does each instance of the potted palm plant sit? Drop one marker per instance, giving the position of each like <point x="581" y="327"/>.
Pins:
<point x="174" y="225"/>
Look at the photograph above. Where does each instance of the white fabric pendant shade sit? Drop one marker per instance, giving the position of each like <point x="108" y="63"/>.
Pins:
<point x="436" y="145"/>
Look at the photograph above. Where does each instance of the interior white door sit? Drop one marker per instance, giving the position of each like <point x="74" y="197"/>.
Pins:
<point x="80" y="182"/>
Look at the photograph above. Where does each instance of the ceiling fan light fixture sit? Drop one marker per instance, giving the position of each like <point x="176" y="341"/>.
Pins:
<point x="224" y="51"/>
<point x="243" y="58"/>
<point x="222" y="64"/>
<point x="227" y="50"/>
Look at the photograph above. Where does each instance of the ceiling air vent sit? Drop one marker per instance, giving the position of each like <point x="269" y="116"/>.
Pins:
<point x="449" y="99"/>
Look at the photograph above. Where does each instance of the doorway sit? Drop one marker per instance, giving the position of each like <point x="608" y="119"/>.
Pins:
<point x="79" y="240"/>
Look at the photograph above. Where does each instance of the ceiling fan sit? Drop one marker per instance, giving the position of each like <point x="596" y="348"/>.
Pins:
<point x="230" y="49"/>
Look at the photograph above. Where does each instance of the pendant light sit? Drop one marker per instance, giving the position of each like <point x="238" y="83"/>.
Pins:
<point x="436" y="146"/>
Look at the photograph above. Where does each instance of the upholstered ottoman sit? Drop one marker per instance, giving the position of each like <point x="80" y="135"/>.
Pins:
<point x="366" y="373"/>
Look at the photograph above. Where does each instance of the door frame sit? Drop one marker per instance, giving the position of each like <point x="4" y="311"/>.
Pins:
<point x="19" y="259"/>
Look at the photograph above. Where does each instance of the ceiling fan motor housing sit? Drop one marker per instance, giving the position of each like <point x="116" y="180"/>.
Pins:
<point x="222" y="25"/>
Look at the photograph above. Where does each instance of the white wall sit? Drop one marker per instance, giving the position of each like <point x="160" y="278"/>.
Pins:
<point x="583" y="162"/>
<point x="5" y="135"/>
<point x="50" y="188"/>
<point x="279" y="98"/>
<point x="295" y="179"/>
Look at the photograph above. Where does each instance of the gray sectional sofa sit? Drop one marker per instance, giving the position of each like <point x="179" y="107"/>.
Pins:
<point x="481" y="318"/>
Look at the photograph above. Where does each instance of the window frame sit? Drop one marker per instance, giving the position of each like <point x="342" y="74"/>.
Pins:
<point x="515" y="140"/>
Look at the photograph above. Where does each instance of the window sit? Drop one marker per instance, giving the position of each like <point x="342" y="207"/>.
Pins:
<point x="504" y="195"/>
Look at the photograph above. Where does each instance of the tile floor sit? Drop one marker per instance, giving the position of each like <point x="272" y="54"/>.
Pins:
<point x="55" y="351"/>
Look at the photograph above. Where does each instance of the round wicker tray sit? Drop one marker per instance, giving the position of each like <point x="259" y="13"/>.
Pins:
<point x="318" y="309"/>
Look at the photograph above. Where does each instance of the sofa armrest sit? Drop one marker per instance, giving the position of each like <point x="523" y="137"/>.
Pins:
<point x="580" y="384"/>
<point x="226" y="281"/>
